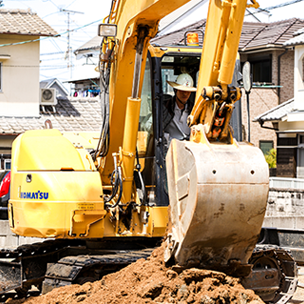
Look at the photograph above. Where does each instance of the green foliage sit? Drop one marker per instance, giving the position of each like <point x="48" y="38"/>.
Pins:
<point x="271" y="158"/>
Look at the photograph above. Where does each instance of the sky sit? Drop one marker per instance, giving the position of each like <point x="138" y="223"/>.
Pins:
<point x="87" y="14"/>
<point x="84" y="20"/>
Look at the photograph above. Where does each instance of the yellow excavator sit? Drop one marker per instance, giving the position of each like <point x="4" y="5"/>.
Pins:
<point x="102" y="200"/>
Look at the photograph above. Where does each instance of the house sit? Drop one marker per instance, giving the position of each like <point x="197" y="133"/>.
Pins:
<point x="20" y="88"/>
<point x="288" y="117"/>
<point x="262" y="44"/>
<point x="86" y="76"/>
<point x="54" y="83"/>
<point x="20" y="32"/>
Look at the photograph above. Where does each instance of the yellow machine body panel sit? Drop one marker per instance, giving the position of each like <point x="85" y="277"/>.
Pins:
<point x="57" y="192"/>
<point x="159" y="51"/>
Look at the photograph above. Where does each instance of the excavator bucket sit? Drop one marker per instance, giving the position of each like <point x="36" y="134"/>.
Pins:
<point x="218" y="195"/>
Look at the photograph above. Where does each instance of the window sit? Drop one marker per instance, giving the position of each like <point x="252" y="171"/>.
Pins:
<point x="145" y="127"/>
<point x="174" y="65"/>
<point x="261" y="69"/>
<point x="7" y="164"/>
<point x="266" y="145"/>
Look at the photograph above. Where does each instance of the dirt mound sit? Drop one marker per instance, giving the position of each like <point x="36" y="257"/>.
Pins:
<point x="150" y="281"/>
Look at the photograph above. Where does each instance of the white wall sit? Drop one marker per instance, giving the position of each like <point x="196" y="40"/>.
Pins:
<point x="299" y="77"/>
<point x="290" y="125"/>
<point x="85" y="68"/>
<point x="19" y="95"/>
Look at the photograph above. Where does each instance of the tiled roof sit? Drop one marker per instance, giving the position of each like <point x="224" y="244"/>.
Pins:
<point x="278" y="112"/>
<point x="177" y="37"/>
<point x="297" y="39"/>
<point x="92" y="44"/>
<point x="23" y="22"/>
<point x="53" y="83"/>
<point x="275" y="33"/>
<point x="76" y="114"/>
<point x="254" y="34"/>
<point x="300" y="31"/>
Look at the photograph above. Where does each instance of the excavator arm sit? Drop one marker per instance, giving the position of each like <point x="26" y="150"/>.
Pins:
<point x="218" y="196"/>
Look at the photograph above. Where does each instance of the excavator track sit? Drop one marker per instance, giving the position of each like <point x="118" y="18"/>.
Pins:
<point x="84" y="268"/>
<point x="55" y="263"/>
<point x="274" y="274"/>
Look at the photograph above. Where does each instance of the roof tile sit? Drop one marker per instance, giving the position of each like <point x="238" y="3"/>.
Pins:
<point x="76" y="118"/>
<point x="23" y="22"/>
<point x="278" y="112"/>
<point x="254" y="34"/>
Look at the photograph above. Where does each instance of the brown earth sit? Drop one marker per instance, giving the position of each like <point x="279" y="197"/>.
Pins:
<point x="150" y="281"/>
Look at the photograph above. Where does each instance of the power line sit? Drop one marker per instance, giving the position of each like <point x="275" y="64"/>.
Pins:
<point x="55" y="44"/>
<point x="52" y="3"/>
<point x="282" y="4"/>
<point x="40" y="39"/>
<point x="53" y="53"/>
<point x="51" y="59"/>
<point x="71" y="3"/>
<point x="267" y="9"/>
<point x="69" y="48"/>
<point x="82" y="29"/>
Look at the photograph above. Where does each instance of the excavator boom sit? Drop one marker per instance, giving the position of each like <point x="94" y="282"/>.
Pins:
<point x="218" y="188"/>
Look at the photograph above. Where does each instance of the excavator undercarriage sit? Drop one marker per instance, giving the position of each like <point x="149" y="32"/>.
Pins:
<point x="55" y="263"/>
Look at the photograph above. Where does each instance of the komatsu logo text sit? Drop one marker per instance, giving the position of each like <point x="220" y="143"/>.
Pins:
<point x="35" y="195"/>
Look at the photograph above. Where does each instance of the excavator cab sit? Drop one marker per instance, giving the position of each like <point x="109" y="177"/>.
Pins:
<point x="162" y="64"/>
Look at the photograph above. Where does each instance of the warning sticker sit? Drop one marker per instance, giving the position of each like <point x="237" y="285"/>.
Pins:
<point x="86" y="206"/>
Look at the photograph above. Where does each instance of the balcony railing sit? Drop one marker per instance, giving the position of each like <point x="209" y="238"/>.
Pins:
<point x="286" y="183"/>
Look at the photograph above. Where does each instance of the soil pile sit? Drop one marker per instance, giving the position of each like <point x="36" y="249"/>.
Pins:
<point x="150" y="281"/>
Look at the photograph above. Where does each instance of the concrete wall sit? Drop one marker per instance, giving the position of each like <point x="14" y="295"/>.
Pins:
<point x="285" y="209"/>
<point x="19" y="95"/>
<point x="11" y="240"/>
<point x="260" y="100"/>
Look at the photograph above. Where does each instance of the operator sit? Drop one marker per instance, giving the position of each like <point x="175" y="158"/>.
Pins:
<point x="177" y="108"/>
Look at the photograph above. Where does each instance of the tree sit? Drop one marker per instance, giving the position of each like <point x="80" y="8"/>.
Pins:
<point x="271" y="158"/>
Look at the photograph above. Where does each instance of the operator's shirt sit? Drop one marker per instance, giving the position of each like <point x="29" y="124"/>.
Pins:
<point x="178" y="127"/>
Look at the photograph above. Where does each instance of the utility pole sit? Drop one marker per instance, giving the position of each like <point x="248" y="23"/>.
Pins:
<point x="68" y="55"/>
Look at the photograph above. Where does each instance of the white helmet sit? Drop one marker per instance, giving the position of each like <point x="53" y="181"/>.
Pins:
<point x="184" y="82"/>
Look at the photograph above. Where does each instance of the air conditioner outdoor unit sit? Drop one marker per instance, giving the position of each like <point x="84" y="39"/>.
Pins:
<point x="48" y="97"/>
